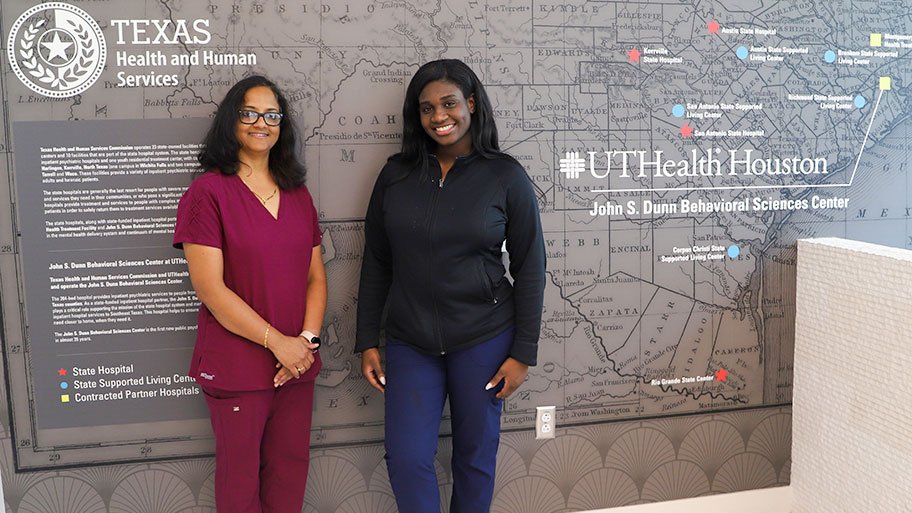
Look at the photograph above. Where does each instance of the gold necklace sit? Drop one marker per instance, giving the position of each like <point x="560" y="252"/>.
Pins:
<point x="262" y="199"/>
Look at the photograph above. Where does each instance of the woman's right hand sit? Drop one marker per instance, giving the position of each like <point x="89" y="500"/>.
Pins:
<point x="373" y="369"/>
<point x="294" y="353"/>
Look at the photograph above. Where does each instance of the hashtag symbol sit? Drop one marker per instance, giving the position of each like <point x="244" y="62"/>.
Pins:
<point x="572" y="165"/>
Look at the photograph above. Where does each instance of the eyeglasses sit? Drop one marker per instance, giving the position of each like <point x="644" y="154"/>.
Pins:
<point x="249" y="117"/>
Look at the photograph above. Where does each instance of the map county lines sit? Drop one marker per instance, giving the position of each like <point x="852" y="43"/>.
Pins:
<point x="561" y="77"/>
<point x="790" y="127"/>
<point x="633" y="109"/>
<point x="336" y="63"/>
<point x="605" y="344"/>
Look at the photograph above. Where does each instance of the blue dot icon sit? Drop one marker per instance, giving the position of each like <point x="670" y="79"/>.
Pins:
<point x="678" y="111"/>
<point x="829" y="56"/>
<point x="733" y="251"/>
<point x="741" y="52"/>
<point x="64" y="385"/>
<point x="860" y="101"/>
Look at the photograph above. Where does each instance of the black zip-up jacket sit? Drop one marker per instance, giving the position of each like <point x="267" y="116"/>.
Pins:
<point x="433" y="252"/>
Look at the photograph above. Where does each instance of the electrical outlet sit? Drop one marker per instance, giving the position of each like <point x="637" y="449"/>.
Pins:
<point x="545" y="421"/>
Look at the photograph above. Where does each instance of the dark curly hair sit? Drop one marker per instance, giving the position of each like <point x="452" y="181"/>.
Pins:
<point x="221" y="147"/>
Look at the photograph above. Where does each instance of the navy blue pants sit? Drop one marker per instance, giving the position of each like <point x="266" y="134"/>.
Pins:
<point x="417" y="385"/>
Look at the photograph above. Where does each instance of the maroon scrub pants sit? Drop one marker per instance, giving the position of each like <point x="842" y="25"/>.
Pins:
<point x="262" y="447"/>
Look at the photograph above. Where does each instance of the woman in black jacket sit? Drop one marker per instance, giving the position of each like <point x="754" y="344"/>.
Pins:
<point x="440" y="213"/>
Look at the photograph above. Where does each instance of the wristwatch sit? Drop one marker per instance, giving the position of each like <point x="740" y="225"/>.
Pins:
<point x="312" y="338"/>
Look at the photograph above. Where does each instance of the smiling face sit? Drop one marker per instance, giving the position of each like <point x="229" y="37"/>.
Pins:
<point x="257" y="139"/>
<point x="446" y="116"/>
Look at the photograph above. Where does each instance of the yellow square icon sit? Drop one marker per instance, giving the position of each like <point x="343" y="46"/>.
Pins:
<point x="65" y="398"/>
<point x="885" y="83"/>
<point x="876" y="39"/>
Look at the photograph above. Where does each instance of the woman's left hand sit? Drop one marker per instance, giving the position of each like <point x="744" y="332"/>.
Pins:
<point x="513" y="372"/>
<point x="285" y="374"/>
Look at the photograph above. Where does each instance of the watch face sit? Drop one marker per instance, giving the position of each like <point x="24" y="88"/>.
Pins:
<point x="315" y="340"/>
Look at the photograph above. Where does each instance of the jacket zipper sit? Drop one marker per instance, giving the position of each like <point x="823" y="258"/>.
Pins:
<point x="431" y="219"/>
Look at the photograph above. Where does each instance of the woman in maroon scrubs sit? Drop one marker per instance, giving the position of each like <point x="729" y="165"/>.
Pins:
<point x="248" y="228"/>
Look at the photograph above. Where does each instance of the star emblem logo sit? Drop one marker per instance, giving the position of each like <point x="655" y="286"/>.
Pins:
<point x="721" y="375"/>
<point x="634" y="55"/>
<point x="61" y="372"/>
<point x="56" y="49"/>
<point x="687" y="130"/>
<point x="713" y="27"/>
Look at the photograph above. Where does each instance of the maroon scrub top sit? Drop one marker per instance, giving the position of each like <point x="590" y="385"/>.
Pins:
<point x="266" y="262"/>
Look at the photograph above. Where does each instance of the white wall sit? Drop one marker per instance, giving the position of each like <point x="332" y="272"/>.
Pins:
<point x="852" y="406"/>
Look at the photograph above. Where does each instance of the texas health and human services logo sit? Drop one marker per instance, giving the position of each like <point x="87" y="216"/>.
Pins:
<point x="56" y="49"/>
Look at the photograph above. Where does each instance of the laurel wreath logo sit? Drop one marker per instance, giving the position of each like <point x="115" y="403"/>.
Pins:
<point x="64" y="77"/>
<point x="85" y="56"/>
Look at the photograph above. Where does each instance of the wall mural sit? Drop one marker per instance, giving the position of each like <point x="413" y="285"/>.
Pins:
<point x="678" y="152"/>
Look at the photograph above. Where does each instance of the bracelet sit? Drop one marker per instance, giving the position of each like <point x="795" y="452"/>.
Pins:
<point x="266" y="337"/>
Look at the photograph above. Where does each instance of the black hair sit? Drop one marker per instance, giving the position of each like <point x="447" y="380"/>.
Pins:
<point x="221" y="147"/>
<point x="416" y="144"/>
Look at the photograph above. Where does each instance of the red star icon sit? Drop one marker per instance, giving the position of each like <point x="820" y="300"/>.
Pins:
<point x="687" y="130"/>
<point x="61" y="372"/>
<point x="634" y="55"/>
<point x="713" y="27"/>
<point x="721" y="375"/>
